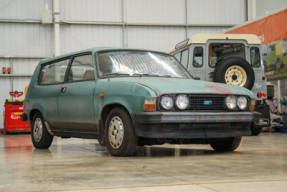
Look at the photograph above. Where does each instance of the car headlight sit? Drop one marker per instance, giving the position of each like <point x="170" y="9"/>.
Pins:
<point x="167" y="102"/>
<point x="182" y="101"/>
<point x="230" y="102"/>
<point x="242" y="102"/>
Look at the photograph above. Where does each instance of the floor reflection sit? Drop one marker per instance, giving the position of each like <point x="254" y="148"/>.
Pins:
<point x="148" y="151"/>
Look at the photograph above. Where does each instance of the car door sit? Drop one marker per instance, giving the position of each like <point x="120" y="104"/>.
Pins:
<point x="76" y="96"/>
<point x="196" y="65"/>
<point x="50" y="81"/>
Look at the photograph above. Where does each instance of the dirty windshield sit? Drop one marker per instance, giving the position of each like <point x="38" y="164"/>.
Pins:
<point x="139" y="63"/>
<point x="219" y="52"/>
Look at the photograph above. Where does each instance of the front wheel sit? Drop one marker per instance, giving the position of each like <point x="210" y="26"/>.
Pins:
<point x="229" y="144"/>
<point x="41" y="138"/>
<point x="120" y="136"/>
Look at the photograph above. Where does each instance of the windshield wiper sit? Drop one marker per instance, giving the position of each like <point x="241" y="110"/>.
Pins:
<point x="145" y="74"/>
<point x="116" y="73"/>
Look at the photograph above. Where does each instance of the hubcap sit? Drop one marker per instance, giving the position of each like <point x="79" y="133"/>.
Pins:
<point x="235" y="75"/>
<point x="38" y="130"/>
<point x="116" y="132"/>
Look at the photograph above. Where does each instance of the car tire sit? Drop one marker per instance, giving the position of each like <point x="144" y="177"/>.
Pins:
<point x="41" y="138"/>
<point x="234" y="71"/>
<point x="121" y="139"/>
<point x="255" y="131"/>
<point x="229" y="144"/>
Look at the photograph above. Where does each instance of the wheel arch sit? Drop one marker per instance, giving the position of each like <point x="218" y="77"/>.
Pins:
<point x="108" y="108"/>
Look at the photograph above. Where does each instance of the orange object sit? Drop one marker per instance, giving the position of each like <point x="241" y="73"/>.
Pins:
<point x="102" y="95"/>
<point x="252" y="107"/>
<point x="9" y="70"/>
<point x="269" y="29"/>
<point x="264" y="94"/>
<point x="149" y="107"/>
<point x="4" y="70"/>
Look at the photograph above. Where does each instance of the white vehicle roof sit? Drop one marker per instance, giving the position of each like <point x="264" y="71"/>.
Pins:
<point x="203" y="38"/>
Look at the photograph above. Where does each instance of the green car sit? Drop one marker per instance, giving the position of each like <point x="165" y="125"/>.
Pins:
<point x="128" y="97"/>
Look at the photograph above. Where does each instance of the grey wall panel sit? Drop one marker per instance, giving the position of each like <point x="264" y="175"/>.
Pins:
<point x="155" y="38"/>
<point x="25" y="39"/>
<point x="195" y="30"/>
<point x="150" y="11"/>
<point x="80" y="37"/>
<point x="4" y="94"/>
<point x="24" y="66"/>
<point x="263" y="6"/>
<point x="23" y="9"/>
<point x="216" y="12"/>
<point x="91" y="10"/>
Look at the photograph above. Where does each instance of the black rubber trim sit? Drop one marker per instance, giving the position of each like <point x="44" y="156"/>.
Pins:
<point x="195" y="117"/>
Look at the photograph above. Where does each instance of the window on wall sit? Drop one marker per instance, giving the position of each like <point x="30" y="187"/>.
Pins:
<point x="255" y="57"/>
<point x="82" y="69"/>
<point x="182" y="57"/>
<point x="198" y="57"/>
<point x="53" y="73"/>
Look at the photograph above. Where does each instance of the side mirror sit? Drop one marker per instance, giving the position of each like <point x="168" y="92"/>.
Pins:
<point x="196" y="78"/>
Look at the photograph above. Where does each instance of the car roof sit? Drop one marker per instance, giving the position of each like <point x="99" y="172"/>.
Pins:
<point x="203" y="38"/>
<point x="92" y="50"/>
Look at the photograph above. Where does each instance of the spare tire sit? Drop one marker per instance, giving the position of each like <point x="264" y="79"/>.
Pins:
<point x="234" y="71"/>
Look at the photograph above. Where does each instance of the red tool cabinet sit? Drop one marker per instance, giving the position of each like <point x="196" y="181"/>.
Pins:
<point x="12" y="119"/>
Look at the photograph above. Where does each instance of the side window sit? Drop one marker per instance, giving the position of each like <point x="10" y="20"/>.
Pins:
<point x="53" y="73"/>
<point x="82" y="69"/>
<point x="198" y="57"/>
<point x="184" y="58"/>
<point x="255" y="57"/>
<point x="177" y="56"/>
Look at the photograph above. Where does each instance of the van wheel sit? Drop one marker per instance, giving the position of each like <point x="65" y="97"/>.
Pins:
<point x="120" y="136"/>
<point x="41" y="138"/>
<point x="229" y="144"/>
<point x="234" y="71"/>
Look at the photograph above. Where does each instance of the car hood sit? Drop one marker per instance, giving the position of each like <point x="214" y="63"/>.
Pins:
<point x="189" y="86"/>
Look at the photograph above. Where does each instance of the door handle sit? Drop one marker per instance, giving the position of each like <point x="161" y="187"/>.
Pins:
<point x="63" y="90"/>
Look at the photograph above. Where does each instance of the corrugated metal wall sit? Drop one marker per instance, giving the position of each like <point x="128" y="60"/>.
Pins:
<point x="148" y="24"/>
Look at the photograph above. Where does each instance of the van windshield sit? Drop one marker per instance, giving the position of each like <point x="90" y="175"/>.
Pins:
<point x="143" y="63"/>
<point x="220" y="51"/>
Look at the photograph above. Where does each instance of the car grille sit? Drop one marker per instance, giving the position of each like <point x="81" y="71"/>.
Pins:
<point x="206" y="102"/>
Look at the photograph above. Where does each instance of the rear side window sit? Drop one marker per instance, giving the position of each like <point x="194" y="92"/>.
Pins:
<point x="82" y="69"/>
<point x="182" y="57"/>
<point x="219" y="52"/>
<point x="255" y="57"/>
<point x="53" y="73"/>
<point x="198" y="57"/>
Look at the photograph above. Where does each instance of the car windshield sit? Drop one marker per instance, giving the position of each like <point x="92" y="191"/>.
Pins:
<point x="143" y="63"/>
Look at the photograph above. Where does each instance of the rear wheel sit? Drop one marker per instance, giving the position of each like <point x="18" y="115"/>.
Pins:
<point x="120" y="136"/>
<point x="41" y="138"/>
<point x="229" y="144"/>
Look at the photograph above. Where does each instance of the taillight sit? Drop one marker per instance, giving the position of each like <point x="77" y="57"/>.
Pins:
<point x="259" y="94"/>
<point x="264" y="94"/>
<point x="263" y="78"/>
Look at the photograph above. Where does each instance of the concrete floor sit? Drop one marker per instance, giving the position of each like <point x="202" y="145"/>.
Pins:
<point x="260" y="164"/>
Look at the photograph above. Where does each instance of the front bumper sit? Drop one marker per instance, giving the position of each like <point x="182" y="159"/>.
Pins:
<point x="193" y="125"/>
<point x="195" y="117"/>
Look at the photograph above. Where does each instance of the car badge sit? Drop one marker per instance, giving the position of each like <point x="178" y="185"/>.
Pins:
<point x="207" y="102"/>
